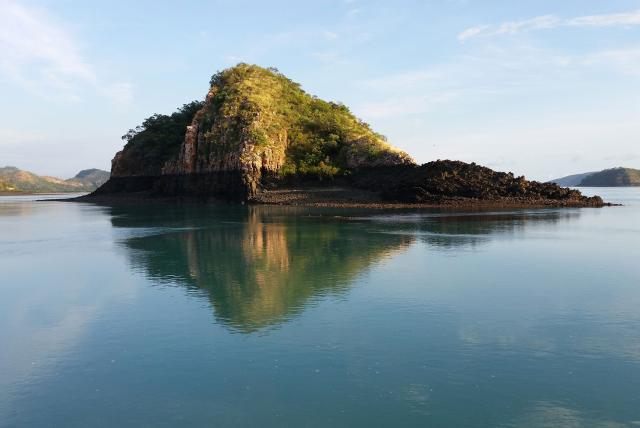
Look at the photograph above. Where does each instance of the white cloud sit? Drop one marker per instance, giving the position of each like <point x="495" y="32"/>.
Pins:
<point x="625" y="19"/>
<point x="490" y="74"/>
<point x="42" y="57"/>
<point x="496" y="77"/>
<point x="490" y="104"/>
<point x="472" y="32"/>
<point x="407" y="93"/>
<point x="537" y="23"/>
<point x="407" y="80"/>
<point x="353" y="12"/>
<point x="404" y="106"/>
<point x="330" y="35"/>
<point x="328" y="57"/>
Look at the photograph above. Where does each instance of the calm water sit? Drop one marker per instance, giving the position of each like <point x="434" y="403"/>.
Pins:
<point x="265" y="316"/>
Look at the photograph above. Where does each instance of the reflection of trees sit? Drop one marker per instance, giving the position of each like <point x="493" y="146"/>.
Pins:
<point x="261" y="265"/>
<point x="258" y="268"/>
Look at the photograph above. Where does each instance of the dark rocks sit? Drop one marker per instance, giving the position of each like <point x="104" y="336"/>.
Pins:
<point x="439" y="181"/>
<point x="452" y="183"/>
<point x="220" y="185"/>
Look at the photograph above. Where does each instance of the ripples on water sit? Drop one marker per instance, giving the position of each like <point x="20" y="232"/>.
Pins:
<point x="272" y="316"/>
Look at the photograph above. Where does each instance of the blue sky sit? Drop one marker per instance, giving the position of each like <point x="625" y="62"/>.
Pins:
<point x="541" y="88"/>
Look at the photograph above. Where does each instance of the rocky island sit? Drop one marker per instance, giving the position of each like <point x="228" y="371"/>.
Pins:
<point x="259" y="138"/>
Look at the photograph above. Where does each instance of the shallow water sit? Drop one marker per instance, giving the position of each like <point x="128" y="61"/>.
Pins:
<point x="267" y="316"/>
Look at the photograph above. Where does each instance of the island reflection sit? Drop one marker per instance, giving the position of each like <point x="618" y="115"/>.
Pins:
<point x="260" y="266"/>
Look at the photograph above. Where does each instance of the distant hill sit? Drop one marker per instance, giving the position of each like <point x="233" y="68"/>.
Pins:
<point x="90" y="178"/>
<point x="4" y="186"/>
<point x="15" y="180"/>
<point x="572" y="180"/>
<point x="613" y="177"/>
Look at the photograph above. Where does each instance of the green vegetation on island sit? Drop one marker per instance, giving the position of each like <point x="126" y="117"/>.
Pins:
<point x="14" y="180"/>
<point x="254" y="112"/>
<point x="322" y="138"/>
<point x="157" y="140"/>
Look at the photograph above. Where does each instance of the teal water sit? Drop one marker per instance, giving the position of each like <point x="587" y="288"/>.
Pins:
<point x="266" y="316"/>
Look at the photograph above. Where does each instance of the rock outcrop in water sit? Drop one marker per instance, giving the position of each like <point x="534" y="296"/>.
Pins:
<point x="257" y="132"/>
<point x="443" y="181"/>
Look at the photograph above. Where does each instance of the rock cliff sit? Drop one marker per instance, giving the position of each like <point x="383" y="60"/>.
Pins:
<point x="254" y="121"/>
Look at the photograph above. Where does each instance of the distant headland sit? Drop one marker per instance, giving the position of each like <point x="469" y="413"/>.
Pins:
<point x="259" y="138"/>
<point x="15" y="181"/>
<point x="612" y="177"/>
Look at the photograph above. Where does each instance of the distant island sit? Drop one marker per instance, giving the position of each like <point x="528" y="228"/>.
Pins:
<point x="14" y="180"/>
<point x="259" y="138"/>
<point x="613" y="177"/>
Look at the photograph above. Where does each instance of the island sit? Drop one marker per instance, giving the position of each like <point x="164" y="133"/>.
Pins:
<point x="612" y="177"/>
<point x="14" y="180"/>
<point x="259" y="138"/>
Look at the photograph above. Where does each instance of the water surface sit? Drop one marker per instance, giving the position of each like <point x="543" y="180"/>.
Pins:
<point x="268" y="316"/>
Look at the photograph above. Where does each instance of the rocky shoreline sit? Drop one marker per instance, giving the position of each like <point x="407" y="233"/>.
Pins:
<point x="451" y="184"/>
<point x="335" y="198"/>
<point x="344" y="197"/>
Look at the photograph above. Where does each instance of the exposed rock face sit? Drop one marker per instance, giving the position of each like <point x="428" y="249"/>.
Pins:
<point x="185" y="163"/>
<point x="119" y="167"/>
<point x="200" y="154"/>
<point x="215" y="149"/>
<point x="252" y="117"/>
<point x="150" y="145"/>
<point x="254" y="121"/>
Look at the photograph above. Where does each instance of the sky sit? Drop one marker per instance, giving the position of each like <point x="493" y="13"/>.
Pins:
<point x="540" y="88"/>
